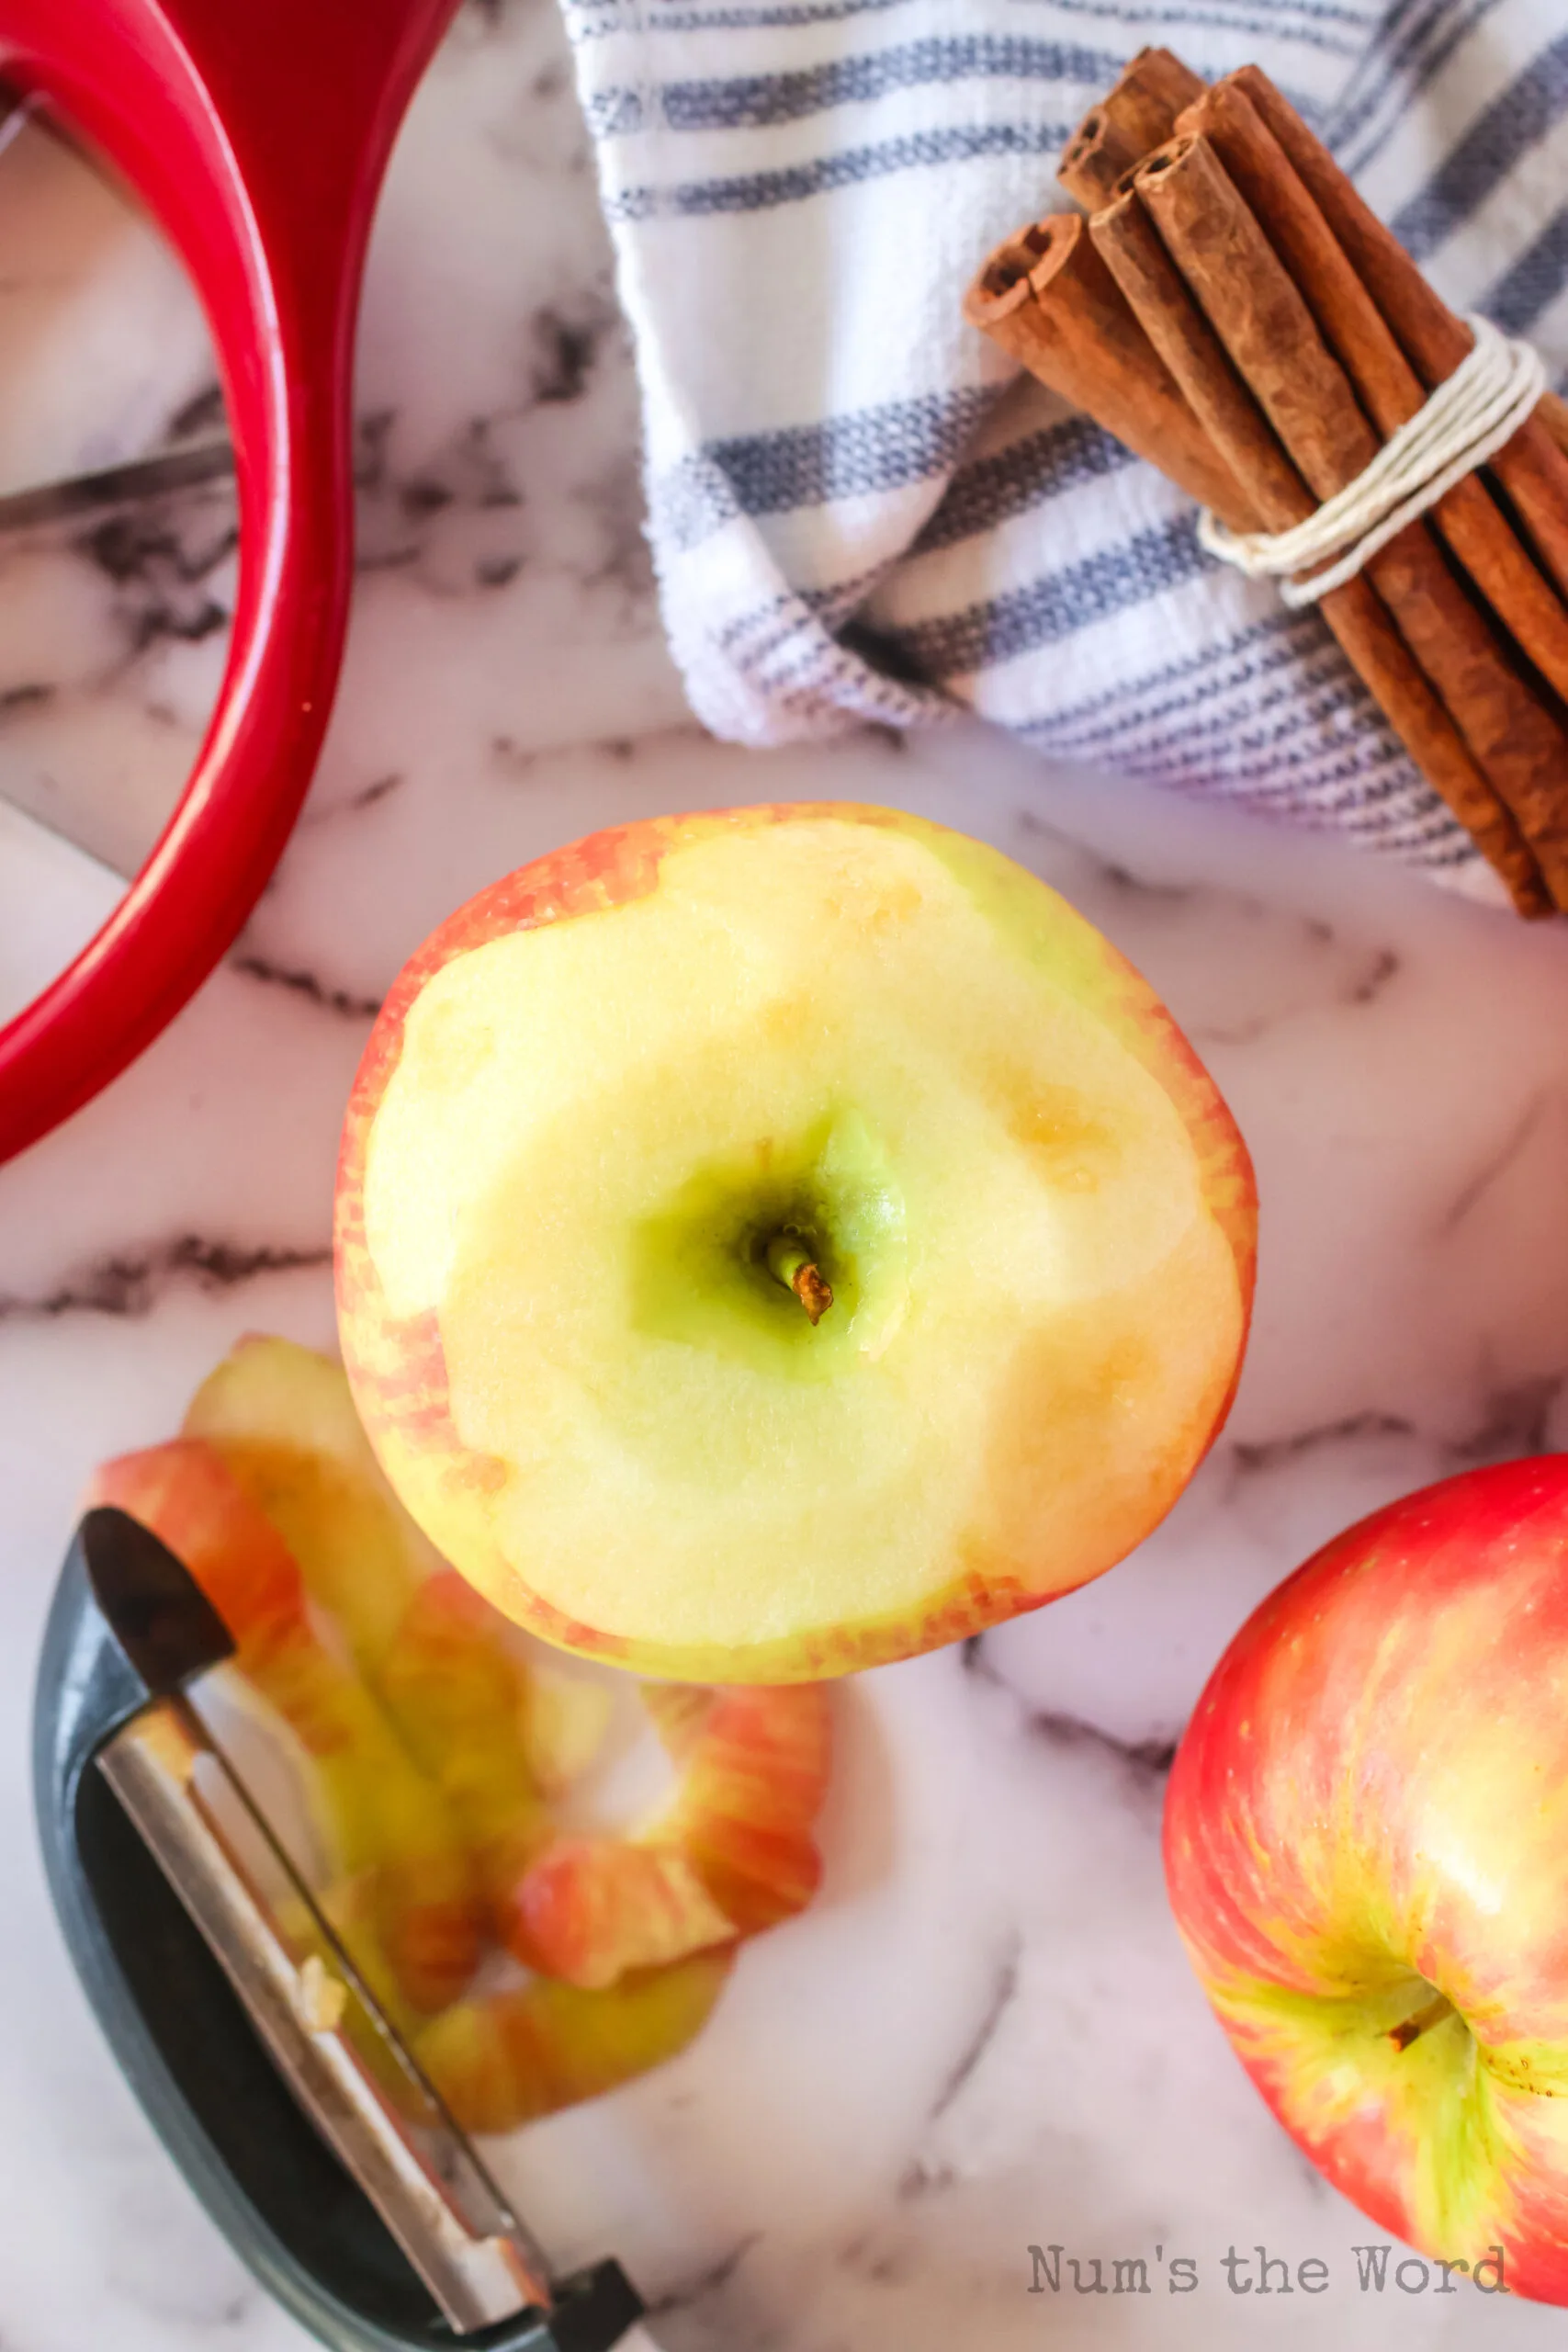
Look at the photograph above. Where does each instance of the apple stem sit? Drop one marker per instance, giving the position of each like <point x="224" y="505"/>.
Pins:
<point x="790" y="1262"/>
<point x="1436" y="2011"/>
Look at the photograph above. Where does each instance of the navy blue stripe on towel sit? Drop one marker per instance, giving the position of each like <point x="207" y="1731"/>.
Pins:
<point x="1519" y="119"/>
<point x="958" y="644"/>
<point x="758" y="101"/>
<point x="795" y="183"/>
<point x="869" y="450"/>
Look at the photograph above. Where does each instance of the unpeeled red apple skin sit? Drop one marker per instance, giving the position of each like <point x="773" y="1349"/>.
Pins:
<point x="399" y="1361"/>
<point x="1367" y="1820"/>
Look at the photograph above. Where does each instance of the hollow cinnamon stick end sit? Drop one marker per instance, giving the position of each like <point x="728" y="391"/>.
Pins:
<point x="1135" y="114"/>
<point x="1160" y="160"/>
<point x="1095" y="158"/>
<point x="1000" y="286"/>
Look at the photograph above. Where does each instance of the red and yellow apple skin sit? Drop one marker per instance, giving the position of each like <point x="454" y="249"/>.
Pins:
<point x="1134" y="1379"/>
<point x="382" y="1819"/>
<point x="591" y="1909"/>
<point x="460" y="1700"/>
<point x="503" y="2059"/>
<point x="436" y="1659"/>
<point x="431" y="1654"/>
<point x="433" y="1746"/>
<point x="732" y="1854"/>
<point x="283" y="1419"/>
<point x="1364" y="1842"/>
<point x="512" y="2056"/>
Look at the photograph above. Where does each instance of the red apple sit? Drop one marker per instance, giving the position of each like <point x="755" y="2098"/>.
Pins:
<point x="775" y="1241"/>
<point x="1365" y="1843"/>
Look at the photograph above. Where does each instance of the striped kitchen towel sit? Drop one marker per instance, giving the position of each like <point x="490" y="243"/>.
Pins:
<point x="858" y="513"/>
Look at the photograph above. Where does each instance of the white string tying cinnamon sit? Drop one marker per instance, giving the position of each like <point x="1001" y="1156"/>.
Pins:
<point x="1466" y="419"/>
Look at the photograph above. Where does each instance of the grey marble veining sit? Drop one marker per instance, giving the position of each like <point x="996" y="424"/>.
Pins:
<point x="984" y="2037"/>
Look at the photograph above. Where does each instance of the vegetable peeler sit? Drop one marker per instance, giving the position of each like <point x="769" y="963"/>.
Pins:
<point x="376" y="2223"/>
<point x="257" y="132"/>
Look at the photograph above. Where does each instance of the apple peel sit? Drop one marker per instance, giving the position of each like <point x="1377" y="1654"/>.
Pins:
<point x="377" y="1811"/>
<point x="500" y="2060"/>
<point x="282" y="1416"/>
<point x="733" y="1853"/>
<point x="516" y="2055"/>
<point x="432" y="1746"/>
<point x="283" y="1419"/>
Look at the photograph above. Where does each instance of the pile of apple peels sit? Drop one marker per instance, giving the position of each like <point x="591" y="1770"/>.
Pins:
<point x="436" y="1746"/>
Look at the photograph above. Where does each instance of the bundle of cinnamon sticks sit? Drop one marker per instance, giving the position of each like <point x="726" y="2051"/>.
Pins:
<point x="1234" y="313"/>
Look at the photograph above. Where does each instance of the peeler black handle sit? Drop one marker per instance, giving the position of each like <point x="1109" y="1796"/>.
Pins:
<point x="181" y="2037"/>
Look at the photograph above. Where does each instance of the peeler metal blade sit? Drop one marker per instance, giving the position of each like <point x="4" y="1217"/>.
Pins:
<point x="424" y="2179"/>
<point x="274" y="2077"/>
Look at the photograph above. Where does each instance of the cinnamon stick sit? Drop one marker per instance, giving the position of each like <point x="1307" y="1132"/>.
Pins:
<point x="1139" y="112"/>
<point x="1553" y="414"/>
<point x="1532" y="469"/>
<point x="1389" y="390"/>
<point x="1515" y="733"/>
<point x="1047" y="298"/>
<point x="1158" y="298"/>
<point x="1157" y="295"/>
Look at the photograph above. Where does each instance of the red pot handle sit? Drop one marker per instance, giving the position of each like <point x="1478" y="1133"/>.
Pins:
<point x="257" y="132"/>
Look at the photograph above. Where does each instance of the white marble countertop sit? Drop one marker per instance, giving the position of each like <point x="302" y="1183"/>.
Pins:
<point x="984" y="2035"/>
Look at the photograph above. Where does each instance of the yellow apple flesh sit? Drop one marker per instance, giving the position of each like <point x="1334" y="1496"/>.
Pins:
<point x="604" y="1110"/>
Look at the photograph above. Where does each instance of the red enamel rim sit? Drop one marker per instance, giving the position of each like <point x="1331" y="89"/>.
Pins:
<point x="257" y="135"/>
